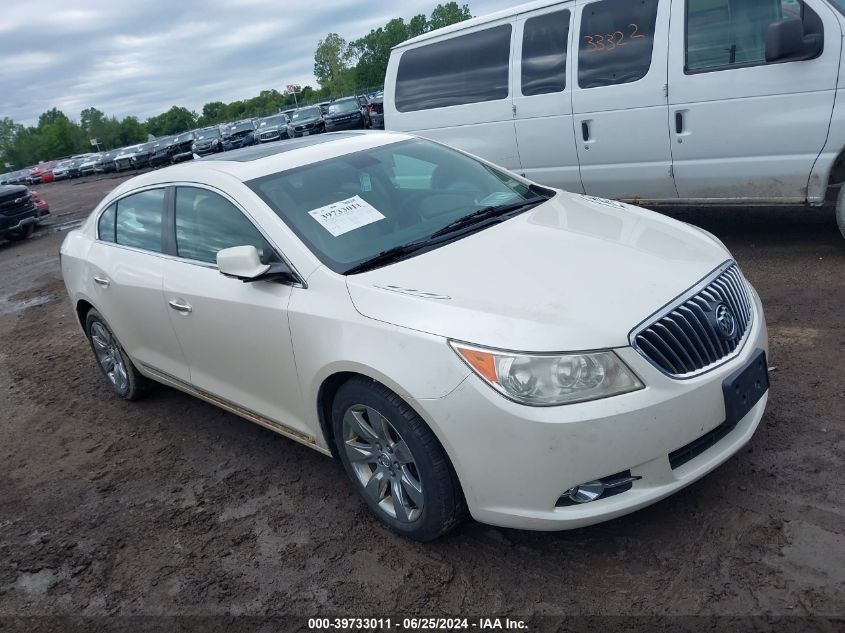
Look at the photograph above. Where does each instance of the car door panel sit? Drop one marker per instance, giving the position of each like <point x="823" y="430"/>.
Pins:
<point x="126" y="288"/>
<point x="619" y="99"/>
<point x="543" y="99"/>
<point x="753" y="131"/>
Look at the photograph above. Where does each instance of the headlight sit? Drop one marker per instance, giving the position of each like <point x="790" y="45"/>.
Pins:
<point x="193" y="147"/>
<point x="215" y="142"/>
<point x="550" y="379"/>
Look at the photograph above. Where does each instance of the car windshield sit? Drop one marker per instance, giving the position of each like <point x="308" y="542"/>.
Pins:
<point x="274" y="120"/>
<point x="839" y="4"/>
<point x="187" y="136"/>
<point x="351" y="208"/>
<point x="208" y="134"/>
<point x="306" y="113"/>
<point x="339" y="107"/>
<point x="241" y="127"/>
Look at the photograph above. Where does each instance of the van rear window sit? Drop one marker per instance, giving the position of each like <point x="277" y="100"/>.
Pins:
<point x="469" y="68"/>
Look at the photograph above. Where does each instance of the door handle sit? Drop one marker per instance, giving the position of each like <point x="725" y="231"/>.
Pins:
<point x="585" y="130"/>
<point x="679" y="122"/>
<point x="184" y="308"/>
<point x="102" y="281"/>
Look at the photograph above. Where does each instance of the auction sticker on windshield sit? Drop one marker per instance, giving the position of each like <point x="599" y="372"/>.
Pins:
<point x="346" y="215"/>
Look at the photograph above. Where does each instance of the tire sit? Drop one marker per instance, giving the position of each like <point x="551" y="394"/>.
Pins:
<point x="22" y="234"/>
<point x="840" y="210"/>
<point x="407" y="481"/>
<point x="129" y="384"/>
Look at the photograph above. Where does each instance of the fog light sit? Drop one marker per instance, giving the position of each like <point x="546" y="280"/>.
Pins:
<point x="585" y="493"/>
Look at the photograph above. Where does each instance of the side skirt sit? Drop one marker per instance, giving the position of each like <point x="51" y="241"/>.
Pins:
<point x="231" y="407"/>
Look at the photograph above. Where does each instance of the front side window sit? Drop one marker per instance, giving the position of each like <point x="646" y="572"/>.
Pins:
<point x="350" y="208"/>
<point x="139" y="220"/>
<point x="465" y="69"/>
<point x="616" y="42"/>
<point x="206" y="223"/>
<point x="105" y="225"/>
<point x="544" y="41"/>
<point x="721" y="34"/>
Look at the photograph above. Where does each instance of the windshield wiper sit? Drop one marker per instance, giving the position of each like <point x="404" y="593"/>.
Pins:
<point x="388" y="256"/>
<point x="477" y="217"/>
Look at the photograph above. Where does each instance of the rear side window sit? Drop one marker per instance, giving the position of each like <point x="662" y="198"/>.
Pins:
<point x="139" y="220"/>
<point x="469" y="68"/>
<point x="723" y="34"/>
<point x="207" y="223"/>
<point x="544" y="40"/>
<point x="105" y="226"/>
<point x="615" y="42"/>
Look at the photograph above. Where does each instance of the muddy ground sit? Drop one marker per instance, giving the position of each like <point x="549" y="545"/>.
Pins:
<point x="172" y="506"/>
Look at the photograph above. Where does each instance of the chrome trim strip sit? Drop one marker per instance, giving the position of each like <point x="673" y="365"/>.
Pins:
<point x="680" y="300"/>
<point x="231" y="407"/>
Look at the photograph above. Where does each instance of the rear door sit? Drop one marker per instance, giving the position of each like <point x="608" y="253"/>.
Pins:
<point x="619" y="100"/>
<point x="542" y="97"/>
<point x="744" y="128"/>
<point x="125" y="264"/>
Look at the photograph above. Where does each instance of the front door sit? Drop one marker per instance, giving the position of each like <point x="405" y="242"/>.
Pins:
<point x="235" y="335"/>
<point x="619" y="99"/>
<point x="543" y="98"/>
<point x="742" y="127"/>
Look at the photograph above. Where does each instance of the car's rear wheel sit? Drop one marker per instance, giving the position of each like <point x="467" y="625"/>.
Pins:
<point x="121" y="375"/>
<point x="840" y="210"/>
<point x="395" y="461"/>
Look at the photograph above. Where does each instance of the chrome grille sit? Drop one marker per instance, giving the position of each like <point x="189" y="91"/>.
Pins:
<point x="686" y="339"/>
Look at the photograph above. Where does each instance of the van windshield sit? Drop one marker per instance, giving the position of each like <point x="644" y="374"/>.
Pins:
<point x="351" y="209"/>
<point x="839" y="4"/>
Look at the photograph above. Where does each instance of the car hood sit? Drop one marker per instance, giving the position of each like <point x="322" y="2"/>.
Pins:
<point x="574" y="273"/>
<point x="10" y="191"/>
<point x="306" y="121"/>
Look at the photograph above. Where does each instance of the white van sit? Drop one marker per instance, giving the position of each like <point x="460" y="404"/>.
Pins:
<point x="661" y="101"/>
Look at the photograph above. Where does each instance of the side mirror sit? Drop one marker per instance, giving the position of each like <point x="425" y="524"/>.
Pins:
<point x="243" y="262"/>
<point x="785" y="40"/>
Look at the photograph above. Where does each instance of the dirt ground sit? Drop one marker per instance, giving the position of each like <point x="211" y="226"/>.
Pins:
<point x="172" y="506"/>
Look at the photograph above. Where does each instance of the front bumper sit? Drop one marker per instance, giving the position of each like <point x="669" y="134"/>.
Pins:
<point x="358" y="123"/>
<point x="515" y="461"/>
<point x="182" y="156"/>
<point x="19" y="221"/>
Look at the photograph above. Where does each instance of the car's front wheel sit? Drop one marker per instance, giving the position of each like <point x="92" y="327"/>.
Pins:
<point x="395" y="461"/>
<point x="122" y="376"/>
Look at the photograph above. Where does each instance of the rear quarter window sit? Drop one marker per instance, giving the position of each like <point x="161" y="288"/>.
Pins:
<point x="470" y="68"/>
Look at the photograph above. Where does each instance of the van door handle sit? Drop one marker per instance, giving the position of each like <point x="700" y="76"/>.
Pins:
<point x="102" y="281"/>
<point x="679" y="122"/>
<point x="184" y="308"/>
<point x="585" y="130"/>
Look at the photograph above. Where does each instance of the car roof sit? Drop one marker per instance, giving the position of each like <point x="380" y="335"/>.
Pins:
<point x="260" y="160"/>
<point x="477" y="21"/>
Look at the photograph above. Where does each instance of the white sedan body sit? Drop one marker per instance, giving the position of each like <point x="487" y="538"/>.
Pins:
<point x="572" y="274"/>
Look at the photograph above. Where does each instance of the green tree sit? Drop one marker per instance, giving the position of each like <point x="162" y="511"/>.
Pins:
<point x="131" y="131"/>
<point x="446" y="14"/>
<point x="177" y="119"/>
<point x="331" y="64"/>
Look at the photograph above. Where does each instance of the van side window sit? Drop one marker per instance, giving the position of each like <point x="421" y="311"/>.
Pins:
<point x="105" y="225"/>
<point x="468" y="68"/>
<point x="544" y="40"/>
<point x="207" y="223"/>
<point x="139" y="220"/>
<point x="615" y="42"/>
<point x="723" y="34"/>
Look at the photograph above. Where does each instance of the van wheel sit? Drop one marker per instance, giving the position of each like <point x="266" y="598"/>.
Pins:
<point x="122" y="376"/>
<point x="840" y="210"/>
<point x="395" y="461"/>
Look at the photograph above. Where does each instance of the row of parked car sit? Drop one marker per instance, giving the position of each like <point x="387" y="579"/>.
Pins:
<point x="356" y="112"/>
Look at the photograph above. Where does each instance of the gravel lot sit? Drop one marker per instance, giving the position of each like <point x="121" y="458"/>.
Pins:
<point x="172" y="506"/>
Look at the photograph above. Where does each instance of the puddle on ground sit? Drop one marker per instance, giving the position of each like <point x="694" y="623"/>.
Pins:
<point x="13" y="307"/>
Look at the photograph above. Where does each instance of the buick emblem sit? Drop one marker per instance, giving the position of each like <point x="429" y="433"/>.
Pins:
<point x="725" y="321"/>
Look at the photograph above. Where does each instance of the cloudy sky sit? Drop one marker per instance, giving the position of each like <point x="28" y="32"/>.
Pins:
<point x="139" y="57"/>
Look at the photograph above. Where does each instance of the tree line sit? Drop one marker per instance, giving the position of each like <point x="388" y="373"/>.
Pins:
<point x="340" y="67"/>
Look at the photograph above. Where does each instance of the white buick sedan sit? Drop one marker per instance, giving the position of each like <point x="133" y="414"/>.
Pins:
<point x="464" y="340"/>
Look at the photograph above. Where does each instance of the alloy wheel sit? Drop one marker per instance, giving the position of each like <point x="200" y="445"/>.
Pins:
<point x="383" y="463"/>
<point x="109" y="356"/>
